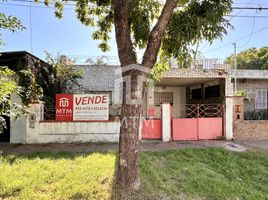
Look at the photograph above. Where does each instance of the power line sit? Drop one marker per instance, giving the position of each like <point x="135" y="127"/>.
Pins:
<point x="68" y="8"/>
<point x="250" y="8"/>
<point x="239" y="12"/>
<point x="71" y="2"/>
<point x="33" y="6"/>
<point x="31" y="30"/>
<point x="227" y="44"/>
<point x="248" y="16"/>
<point x="252" y="31"/>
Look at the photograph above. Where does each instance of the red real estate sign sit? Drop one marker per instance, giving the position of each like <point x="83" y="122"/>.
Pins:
<point x="64" y="107"/>
<point x="75" y="107"/>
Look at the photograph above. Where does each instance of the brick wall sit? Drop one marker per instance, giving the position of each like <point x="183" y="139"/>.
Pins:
<point x="247" y="129"/>
<point x="251" y="130"/>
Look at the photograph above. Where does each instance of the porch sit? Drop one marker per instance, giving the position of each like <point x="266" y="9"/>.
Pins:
<point x="188" y="106"/>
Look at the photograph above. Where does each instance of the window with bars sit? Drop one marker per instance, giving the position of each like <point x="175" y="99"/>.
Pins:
<point x="261" y="99"/>
<point x="161" y="97"/>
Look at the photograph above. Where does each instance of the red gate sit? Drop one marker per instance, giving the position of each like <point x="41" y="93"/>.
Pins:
<point x="198" y="122"/>
<point x="152" y="124"/>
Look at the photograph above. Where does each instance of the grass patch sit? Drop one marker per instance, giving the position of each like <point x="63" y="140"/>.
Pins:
<point x="205" y="174"/>
<point x="178" y="174"/>
<point x="57" y="176"/>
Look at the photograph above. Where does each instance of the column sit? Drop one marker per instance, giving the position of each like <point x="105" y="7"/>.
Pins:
<point x="228" y="109"/>
<point x="166" y="122"/>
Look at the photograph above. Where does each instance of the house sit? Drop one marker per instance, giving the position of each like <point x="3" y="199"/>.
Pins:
<point x="204" y="104"/>
<point x="193" y="103"/>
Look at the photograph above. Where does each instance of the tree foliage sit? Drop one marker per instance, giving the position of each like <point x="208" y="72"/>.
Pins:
<point x="252" y="58"/>
<point x="10" y="23"/>
<point x="192" y="22"/>
<point x="26" y="82"/>
<point x="56" y="77"/>
<point x="8" y="87"/>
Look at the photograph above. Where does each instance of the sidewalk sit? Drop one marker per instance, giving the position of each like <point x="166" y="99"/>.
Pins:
<point x="261" y="144"/>
<point x="94" y="147"/>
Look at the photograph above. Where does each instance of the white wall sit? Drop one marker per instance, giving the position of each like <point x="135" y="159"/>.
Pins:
<point x="179" y="97"/>
<point x="24" y="131"/>
<point x="68" y="132"/>
<point x="17" y="127"/>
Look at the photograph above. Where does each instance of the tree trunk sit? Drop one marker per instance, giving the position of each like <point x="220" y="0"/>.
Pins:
<point x="128" y="171"/>
<point x="128" y="176"/>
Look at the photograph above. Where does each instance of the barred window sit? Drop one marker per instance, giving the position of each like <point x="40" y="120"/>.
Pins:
<point x="161" y="97"/>
<point x="261" y="99"/>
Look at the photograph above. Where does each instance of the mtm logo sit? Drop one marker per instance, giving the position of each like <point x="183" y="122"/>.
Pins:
<point x="64" y="107"/>
<point x="64" y="102"/>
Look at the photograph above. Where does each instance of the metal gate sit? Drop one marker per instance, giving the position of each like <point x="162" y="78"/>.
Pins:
<point x="152" y="124"/>
<point x="198" y="122"/>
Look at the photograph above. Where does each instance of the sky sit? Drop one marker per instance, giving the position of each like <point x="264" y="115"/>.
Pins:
<point x="67" y="36"/>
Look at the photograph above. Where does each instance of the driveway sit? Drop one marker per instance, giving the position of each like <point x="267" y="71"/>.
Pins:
<point x="94" y="147"/>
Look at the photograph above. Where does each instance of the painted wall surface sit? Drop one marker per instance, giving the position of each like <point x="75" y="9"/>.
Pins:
<point x="179" y="98"/>
<point x="18" y="131"/>
<point x="17" y="127"/>
<point x="69" y="132"/>
<point x="37" y="131"/>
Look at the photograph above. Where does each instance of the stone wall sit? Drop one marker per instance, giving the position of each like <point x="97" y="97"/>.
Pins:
<point x="247" y="129"/>
<point x="251" y="130"/>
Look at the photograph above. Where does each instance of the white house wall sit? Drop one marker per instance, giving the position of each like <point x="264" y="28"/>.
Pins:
<point x="179" y="97"/>
<point x="38" y="131"/>
<point x="68" y="132"/>
<point x="17" y="127"/>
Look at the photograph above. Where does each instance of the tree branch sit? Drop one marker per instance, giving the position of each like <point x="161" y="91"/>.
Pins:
<point x="157" y="34"/>
<point x="122" y="21"/>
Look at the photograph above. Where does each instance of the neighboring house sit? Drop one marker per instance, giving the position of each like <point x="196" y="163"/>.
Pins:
<point x="16" y="61"/>
<point x="251" y="109"/>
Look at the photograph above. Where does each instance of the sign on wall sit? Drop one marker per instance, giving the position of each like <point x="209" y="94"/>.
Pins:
<point x="75" y="107"/>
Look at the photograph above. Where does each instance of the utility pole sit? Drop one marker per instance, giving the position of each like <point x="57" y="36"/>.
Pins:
<point x="235" y="68"/>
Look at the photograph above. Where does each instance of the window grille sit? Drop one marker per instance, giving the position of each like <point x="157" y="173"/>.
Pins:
<point x="161" y="97"/>
<point x="261" y="99"/>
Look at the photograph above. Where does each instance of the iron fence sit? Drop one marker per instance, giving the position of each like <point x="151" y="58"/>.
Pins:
<point x="258" y="114"/>
<point x="204" y="64"/>
<point x="198" y="111"/>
